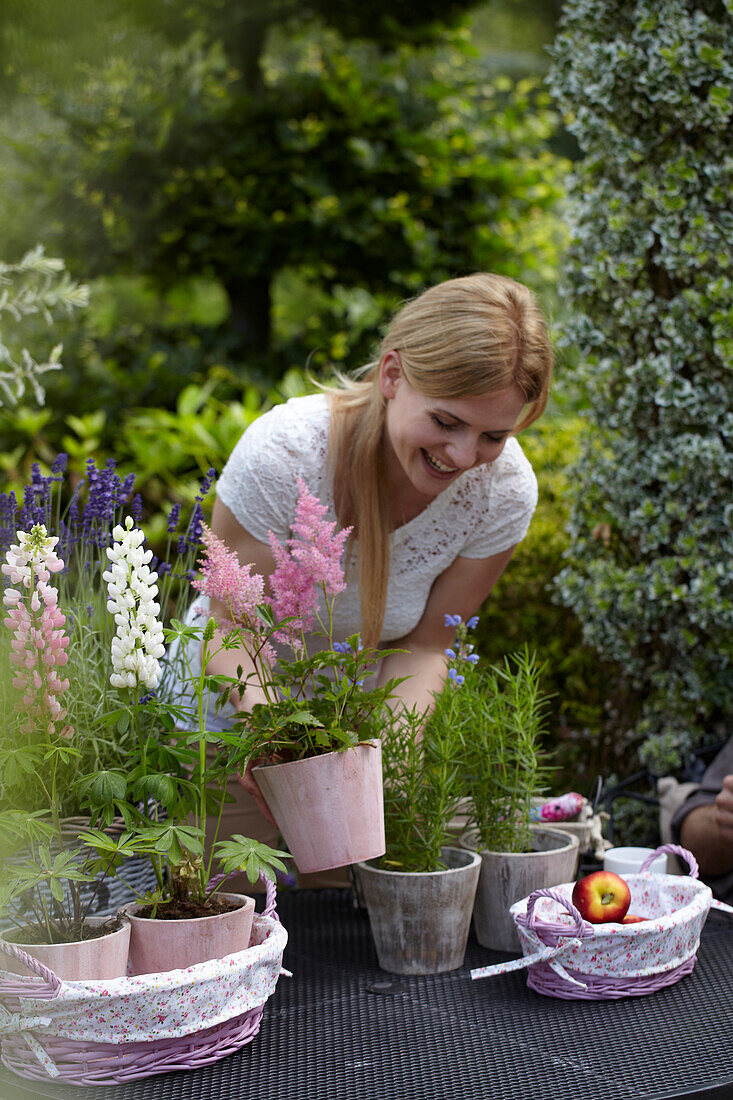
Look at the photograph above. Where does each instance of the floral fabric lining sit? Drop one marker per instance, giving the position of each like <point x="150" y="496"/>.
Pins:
<point x="675" y="907"/>
<point x="165" y="1006"/>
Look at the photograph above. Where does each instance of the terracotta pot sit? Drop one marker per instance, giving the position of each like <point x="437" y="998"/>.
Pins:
<point x="507" y="877"/>
<point x="89" y="960"/>
<point x="157" y="946"/>
<point x="420" y="920"/>
<point x="329" y="808"/>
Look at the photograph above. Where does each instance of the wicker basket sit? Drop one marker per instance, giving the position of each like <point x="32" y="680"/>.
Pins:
<point x="569" y="958"/>
<point x="110" y="1032"/>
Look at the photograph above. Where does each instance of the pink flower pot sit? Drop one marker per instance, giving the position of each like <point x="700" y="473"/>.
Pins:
<point x="157" y="946"/>
<point x="88" y="960"/>
<point x="329" y="808"/>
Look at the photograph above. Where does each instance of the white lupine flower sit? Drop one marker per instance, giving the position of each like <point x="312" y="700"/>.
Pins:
<point x="132" y="588"/>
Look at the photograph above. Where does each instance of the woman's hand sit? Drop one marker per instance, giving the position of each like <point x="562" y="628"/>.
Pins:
<point x="249" y="783"/>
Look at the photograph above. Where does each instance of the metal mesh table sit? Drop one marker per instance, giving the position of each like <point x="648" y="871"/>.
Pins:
<point x="341" y="1029"/>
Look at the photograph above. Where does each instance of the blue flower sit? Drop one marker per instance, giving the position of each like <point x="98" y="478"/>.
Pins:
<point x="472" y="622"/>
<point x="173" y="517"/>
<point x="196" y="524"/>
<point x="453" y="620"/>
<point x="341" y="647"/>
<point x="451" y="653"/>
<point x="472" y="658"/>
<point x="456" y="677"/>
<point x="206" y="484"/>
<point x="128" y="484"/>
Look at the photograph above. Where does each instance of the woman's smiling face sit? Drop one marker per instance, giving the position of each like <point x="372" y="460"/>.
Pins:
<point x="433" y="440"/>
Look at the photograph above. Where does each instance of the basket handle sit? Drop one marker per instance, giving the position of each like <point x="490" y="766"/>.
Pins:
<point x="270" y="898"/>
<point x="52" y="981"/>
<point x="580" y="929"/>
<point x="675" y="850"/>
<point x="270" y="894"/>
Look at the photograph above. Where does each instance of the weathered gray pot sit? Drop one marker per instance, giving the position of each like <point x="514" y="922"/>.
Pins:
<point x="420" y="920"/>
<point x="507" y="877"/>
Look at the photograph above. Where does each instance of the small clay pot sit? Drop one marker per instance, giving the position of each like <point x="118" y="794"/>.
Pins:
<point x="420" y="919"/>
<point x="157" y="946"/>
<point x="88" y="960"/>
<point x="328" y="808"/>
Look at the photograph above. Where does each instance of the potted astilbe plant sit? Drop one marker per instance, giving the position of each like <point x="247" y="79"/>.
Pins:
<point x="314" y="739"/>
<point x="505" y="766"/>
<point x="420" y="894"/>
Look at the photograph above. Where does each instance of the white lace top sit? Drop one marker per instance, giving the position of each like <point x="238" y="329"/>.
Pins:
<point x="484" y="511"/>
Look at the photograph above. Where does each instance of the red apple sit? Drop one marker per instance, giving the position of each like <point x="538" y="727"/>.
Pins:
<point x="602" y="897"/>
<point x="631" y="918"/>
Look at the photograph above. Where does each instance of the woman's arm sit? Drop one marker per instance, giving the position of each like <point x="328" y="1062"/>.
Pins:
<point x="460" y="590"/>
<point x="708" y="832"/>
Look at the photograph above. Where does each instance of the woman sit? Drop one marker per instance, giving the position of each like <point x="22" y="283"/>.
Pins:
<point x="420" y="457"/>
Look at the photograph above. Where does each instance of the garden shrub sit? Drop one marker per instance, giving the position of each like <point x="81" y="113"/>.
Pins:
<point x="646" y="88"/>
<point x="361" y="170"/>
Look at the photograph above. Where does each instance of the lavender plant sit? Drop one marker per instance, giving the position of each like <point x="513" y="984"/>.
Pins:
<point x="83" y="520"/>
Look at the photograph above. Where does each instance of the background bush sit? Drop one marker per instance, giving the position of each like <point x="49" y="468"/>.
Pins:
<point x="647" y="90"/>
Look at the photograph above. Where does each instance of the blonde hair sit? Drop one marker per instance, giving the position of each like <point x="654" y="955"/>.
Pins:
<point x="480" y="334"/>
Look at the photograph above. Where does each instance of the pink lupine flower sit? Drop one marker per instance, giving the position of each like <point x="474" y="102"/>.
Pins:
<point x="39" y="643"/>
<point x="308" y="562"/>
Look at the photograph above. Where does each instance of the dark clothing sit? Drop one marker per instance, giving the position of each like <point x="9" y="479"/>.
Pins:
<point x="710" y="785"/>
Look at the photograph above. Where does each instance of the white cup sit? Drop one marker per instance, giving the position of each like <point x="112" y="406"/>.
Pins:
<point x="628" y="861"/>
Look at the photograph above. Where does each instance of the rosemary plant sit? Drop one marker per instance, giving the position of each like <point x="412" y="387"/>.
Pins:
<point x="503" y="712"/>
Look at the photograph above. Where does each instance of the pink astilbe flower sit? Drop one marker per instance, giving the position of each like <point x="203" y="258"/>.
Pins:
<point x="223" y="578"/>
<point x="39" y="641"/>
<point x="309" y="562"/>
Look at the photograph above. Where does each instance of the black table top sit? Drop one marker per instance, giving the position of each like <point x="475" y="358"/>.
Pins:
<point x="341" y="1029"/>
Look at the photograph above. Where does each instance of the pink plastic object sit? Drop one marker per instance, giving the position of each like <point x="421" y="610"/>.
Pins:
<point x="329" y="808"/>
<point x="569" y="958"/>
<point x="100" y="1033"/>
<point x="564" y="808"/>
<point x="157" y="946"/>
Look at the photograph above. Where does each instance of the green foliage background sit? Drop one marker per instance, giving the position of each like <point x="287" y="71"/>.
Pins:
<point x="648" y="92"/>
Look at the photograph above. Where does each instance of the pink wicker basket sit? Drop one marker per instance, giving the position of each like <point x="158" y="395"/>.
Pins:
<point x="569" y="958"/>
<point x="109" y="1032"/>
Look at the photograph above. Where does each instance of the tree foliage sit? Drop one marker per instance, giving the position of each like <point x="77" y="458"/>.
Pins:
<point x="647" y="87"/>
<point x="356" y="166"/>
